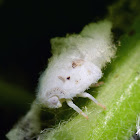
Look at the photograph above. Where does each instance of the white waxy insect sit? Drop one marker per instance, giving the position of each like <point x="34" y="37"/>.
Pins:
<point x="76" y="64"/>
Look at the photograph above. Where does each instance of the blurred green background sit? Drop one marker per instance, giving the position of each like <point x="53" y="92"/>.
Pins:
<point x="26" y="28"/>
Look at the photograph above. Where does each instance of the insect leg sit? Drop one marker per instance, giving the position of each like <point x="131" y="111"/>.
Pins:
<point x="76" y="108"/>
<point x="87" y="95"/>
<point x="97" y="84"/>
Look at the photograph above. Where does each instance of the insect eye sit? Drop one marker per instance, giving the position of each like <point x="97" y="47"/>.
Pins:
<point x="53" y="100"/>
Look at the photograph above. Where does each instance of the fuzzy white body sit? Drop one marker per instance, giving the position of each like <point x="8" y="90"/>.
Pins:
<point x="76" y="63"/>
<point x="81" y="77"/>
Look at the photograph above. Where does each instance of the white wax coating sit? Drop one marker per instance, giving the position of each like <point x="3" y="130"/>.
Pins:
<point x="76" y="62"/>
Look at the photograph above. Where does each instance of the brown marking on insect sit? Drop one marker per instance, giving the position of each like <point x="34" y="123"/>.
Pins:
<point x="89" y="72"/>
<point x="76" y="81"/>
<point x="97" y="84"/>
<point x="54" y="90"/>
<point x="68" y="78"/>
<point x="78" y="62"/>
<point x="61" y="78"/>
<point x="74" y="64"/>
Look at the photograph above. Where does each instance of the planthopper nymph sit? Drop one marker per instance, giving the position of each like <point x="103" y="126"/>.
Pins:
<point x="75" y="64"/>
